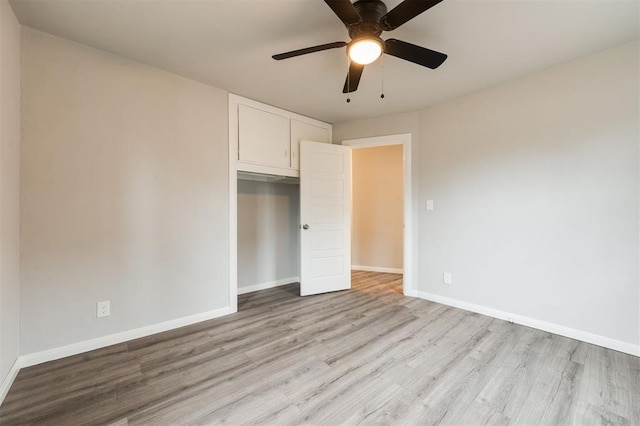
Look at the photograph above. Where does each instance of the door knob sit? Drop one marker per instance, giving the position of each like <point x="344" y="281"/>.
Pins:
<point x="305" y="226"/>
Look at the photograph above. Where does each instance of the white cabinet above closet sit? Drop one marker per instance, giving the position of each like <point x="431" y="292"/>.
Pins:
<point x="265" y="139"/>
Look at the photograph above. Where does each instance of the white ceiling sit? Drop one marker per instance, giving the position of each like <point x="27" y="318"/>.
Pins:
<point x="229" y="43"/>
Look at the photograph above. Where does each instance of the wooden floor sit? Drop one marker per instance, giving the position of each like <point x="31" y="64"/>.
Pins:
<point x="364" y="356"/>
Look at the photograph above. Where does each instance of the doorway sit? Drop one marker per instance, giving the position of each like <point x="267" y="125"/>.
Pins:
<point x="382" y="242"/>
<point x="377" y="209"/>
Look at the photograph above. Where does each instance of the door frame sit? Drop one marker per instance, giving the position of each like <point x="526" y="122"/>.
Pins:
<point x="409" y="261"/>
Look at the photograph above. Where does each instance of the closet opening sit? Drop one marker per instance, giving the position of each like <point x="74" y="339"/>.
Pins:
<point x="268" y="237"/>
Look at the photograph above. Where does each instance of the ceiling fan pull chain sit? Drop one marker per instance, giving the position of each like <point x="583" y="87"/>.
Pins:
<point x="348" y="78"/>
<point x="382" y="91"/>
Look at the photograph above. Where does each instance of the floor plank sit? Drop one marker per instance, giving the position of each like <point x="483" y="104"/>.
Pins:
<point x="364" y="356"/>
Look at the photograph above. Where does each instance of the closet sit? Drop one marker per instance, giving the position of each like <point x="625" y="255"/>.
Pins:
<point x="265" y="154"/>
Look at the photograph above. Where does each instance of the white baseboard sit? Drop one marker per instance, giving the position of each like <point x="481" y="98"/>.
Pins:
<point x="268" y="284"/>
<point x="572" y="333"/>
<point x="112" y="339"/>
<point x="8" y="380"/>
<point x="377" y="269"/>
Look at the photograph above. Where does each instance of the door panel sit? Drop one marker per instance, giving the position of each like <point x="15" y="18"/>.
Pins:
<point x="326" y="240"/>
<point x="325" y="212"/>
<point x="326" y="188"/>
<point x="327" y="267"/>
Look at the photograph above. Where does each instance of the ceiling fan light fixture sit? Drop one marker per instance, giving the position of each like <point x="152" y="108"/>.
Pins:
<point x="365" y="21"/>
<point x="365" y="50"/>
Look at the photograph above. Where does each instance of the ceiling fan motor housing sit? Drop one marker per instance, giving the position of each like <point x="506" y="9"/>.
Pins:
<point x="371" y="12"/>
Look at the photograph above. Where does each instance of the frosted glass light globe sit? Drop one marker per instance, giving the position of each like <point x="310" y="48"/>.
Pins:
<point x="365" y="51"/>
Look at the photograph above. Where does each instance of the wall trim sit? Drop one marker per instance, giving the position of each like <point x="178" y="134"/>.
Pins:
<point x="9" y="378"/>
<point x="268" y="284"/>
<point x="377" y="269"/>
<point x="232" y="110"/>
<point x="606" y="342"/>
<point x="104" y="341"/>
<point x="112" y="339"/>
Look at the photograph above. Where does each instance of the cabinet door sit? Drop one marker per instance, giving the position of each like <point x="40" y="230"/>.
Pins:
<point x="263" y="137"/>
<point x="301" y="131"/>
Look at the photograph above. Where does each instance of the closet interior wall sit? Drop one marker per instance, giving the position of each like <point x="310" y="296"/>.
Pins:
<point x="268" y="234"/>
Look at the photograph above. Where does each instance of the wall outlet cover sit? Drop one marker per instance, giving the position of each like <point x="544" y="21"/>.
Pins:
<point x="103" y="309"/>
<point x="447" y="278"/>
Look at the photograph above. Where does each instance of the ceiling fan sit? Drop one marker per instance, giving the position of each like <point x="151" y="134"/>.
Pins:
<point x="365" y="21"/>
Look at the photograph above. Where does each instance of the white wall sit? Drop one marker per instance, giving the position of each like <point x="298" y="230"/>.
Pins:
<point x="536" y="187"/>
<point x="377" y="198"/>
<point x="268" y="233"/>
<point x="124" y="194"/>
<point x="9" y="189"/>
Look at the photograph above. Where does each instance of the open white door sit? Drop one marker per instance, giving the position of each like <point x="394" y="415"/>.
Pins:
<point x="325" y="214"/>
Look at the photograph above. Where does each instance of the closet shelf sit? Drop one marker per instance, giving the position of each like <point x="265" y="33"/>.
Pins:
<point x="261" y="177"/>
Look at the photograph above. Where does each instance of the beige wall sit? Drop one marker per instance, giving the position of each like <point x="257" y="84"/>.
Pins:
<point x="536" y="190"/>
<point x="9" y="189"/>
<point x="124" y="194"/>
<point x="268" y="233"/>
<point x="378" y="197"/>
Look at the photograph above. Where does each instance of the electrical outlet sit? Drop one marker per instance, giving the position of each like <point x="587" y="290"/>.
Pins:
<point x="103" y="309"/>
<point x="429" y="205"/>
<point x="447" y="278"/>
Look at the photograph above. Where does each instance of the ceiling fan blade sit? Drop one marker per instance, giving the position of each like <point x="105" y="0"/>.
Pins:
<point x="319" y="48"/>
<point x="345" y="11"/>
<point x="353" y="78"/>
<point x="412" y="53"/>
<point x="404" y="12"/>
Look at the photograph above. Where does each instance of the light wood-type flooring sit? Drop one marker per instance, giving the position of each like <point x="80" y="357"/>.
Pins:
<point x="364" y="356"/>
